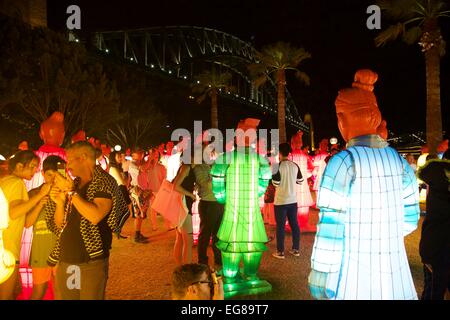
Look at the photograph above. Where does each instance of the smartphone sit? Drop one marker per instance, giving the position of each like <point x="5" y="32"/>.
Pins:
<point x="215" y="278"/>
<point x="61" y="167"/>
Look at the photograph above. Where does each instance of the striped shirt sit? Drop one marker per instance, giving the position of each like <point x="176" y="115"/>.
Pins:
<point x="285" y="180"/>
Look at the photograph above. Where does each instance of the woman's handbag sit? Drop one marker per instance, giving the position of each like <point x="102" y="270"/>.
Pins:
<point x="169" y="203"/>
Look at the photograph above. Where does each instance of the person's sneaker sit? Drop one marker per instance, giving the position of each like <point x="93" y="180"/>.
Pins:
<point x="295" y="252"/>
<point x="139" y="240"/>
<point x="140" y="236"/>
<point x="278" y="255"/>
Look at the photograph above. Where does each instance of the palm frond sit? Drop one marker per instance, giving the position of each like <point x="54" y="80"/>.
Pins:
<point x="259" y="81"/>
<point x="412" y="35"/>
<point x="201" y="98"/>
<point x="303" y="77"/>
<point x="390" y="34"/>
<point x="444" y="14"/>
<point x="437" y="8"/>
<point x="419" y="8"/>
<point x="397" y="10"/>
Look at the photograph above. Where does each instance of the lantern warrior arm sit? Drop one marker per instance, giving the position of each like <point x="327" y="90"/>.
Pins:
<point x="410" y="199"/>
<point x="218" y="173"/>
<point x="265" y="174"/>
<point x="328" y="247"/>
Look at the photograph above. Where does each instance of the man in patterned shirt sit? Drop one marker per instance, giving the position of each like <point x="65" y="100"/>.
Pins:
<point x="83" y="213"/>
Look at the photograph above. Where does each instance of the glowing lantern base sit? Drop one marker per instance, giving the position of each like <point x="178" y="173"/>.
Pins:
<point x="241" y="287"/>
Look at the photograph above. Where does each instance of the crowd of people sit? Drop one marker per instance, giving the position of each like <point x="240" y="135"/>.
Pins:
<point x="77" y="198"/>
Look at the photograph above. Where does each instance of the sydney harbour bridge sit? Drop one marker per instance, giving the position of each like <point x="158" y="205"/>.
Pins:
<point x="180" y="53"/>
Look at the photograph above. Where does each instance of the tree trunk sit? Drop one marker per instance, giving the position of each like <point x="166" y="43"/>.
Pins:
<point x="432" y="65"/>
<point x="214" y="110"/>
<point x="281" y="87"/>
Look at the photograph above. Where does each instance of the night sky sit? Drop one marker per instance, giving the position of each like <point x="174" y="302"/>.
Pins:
<point x="334" y="32"/>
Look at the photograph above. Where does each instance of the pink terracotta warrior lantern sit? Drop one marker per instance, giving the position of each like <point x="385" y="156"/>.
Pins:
<point x="304" y="199"/>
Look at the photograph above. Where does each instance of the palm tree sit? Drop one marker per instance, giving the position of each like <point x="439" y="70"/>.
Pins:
<point x="276" y="59"/>
<point x="209" y="84"/>
<point x="417" y="21"/>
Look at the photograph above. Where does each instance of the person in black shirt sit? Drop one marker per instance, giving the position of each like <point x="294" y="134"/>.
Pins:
<point x="81" y="217"/>
<point x="434" y="246"/>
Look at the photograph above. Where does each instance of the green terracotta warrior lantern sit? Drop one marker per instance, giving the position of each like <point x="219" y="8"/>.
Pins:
<point x="239" y="178"/>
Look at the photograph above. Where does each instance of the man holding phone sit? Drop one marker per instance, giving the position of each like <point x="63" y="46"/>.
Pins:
<point x="84" y="222"/>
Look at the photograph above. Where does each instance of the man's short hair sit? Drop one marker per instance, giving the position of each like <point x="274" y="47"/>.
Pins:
<point x="52" y="162"/>
<point x="183" y="276"/>
<point x="285" y="149"/>
<point x="85" y="146"/>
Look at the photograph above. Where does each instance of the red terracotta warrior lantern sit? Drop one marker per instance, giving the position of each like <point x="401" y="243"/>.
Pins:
<point x="79" y="136"/>
<point x="52" y="130"/>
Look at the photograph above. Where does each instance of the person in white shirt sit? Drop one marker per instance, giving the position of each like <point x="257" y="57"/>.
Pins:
<point x="285" y="180"/>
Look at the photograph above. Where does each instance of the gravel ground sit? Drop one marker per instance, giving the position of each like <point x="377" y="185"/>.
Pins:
<point x="143" y="271"/>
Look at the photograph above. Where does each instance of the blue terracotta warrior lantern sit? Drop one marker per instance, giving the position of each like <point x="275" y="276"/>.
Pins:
<point x="368" y="200"/>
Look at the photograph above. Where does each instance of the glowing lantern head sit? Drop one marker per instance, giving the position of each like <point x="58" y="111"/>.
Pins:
<point x="79" y="136"/>
<point x="297" y="141"/>
<point x="23" y="145"/>
<point x="323" y="146"/>
<point x="246" y="132"/>
<point x="357" y="109"/>
<point x="117" y="148"/>
<point x="95" y="142"/>
<point x="106" y="150"/>
<point x="52" y="130"/>
<point x="443" y="146"/>
<point x="382" y="130"/>
<point x="161" y="148"/>
<point x="169" y="147"/>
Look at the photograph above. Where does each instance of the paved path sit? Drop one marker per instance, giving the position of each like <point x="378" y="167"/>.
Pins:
<point x="143" y="271"/>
